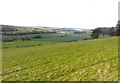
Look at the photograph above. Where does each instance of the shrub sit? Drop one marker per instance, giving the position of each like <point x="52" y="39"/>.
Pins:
<point x="7" y="39"/>
<point x="37" y="36"/>
<point x="26" y="38"/>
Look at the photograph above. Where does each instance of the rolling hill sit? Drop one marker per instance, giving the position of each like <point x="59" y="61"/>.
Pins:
<point x="83" y="60"/>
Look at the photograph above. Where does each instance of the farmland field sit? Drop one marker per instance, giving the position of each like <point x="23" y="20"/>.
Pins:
<point x="71" y="37"/>
<point x="83" y="60"/>
<point x="60" y="37"/>
<point x="25" y="43"/>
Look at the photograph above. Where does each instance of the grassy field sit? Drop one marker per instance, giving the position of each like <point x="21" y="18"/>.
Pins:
<point x="71" y="37"/>
<point x="26" y="43"/>
<point x="83" y="60"/>
<point x="45" y="39"/>
<point x="60" y="37"/>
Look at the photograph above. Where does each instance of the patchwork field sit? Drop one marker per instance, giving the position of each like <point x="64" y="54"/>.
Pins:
<point x="82" y="60"/>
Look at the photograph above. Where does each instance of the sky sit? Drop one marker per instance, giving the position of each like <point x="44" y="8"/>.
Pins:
<point x="87" y="14"/>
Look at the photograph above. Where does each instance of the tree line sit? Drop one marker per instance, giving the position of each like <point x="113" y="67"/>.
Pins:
<point x="113" y="31"/>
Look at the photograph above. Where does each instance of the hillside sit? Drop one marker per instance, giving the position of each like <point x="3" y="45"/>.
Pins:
<point x="16" y="29"/>
<point x="83" y="60"/>
<point x="20" y="33"/>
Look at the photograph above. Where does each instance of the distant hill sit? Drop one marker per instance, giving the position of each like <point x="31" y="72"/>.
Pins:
<point x="6" y="28"/>
<point x="72" y="30"/>
<point x="10" y="28"/>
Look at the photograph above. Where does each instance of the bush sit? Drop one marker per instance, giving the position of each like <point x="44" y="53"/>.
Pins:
<point x="8" y="39"/>
<point x="26" y="38"/>
<point x="37" y="36"/>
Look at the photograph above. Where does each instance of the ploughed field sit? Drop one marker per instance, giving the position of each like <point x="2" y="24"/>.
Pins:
<point x="82" y="60"/>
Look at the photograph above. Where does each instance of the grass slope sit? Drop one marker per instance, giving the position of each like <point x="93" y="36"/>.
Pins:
<point x="84" y="60"/>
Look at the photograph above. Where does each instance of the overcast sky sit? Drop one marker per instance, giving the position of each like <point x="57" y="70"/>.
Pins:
<point x="59" y="13"/>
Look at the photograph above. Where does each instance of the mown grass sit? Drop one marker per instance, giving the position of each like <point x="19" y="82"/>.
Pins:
<point x="84" y="60"/>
